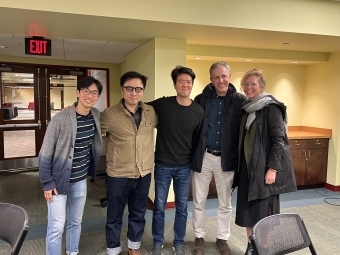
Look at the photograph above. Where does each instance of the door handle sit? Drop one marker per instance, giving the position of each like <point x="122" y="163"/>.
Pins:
<point x="19" y="125"/>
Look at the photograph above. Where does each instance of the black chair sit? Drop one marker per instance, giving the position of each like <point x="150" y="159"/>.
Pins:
<point x="280" y="234"/>
<point x="13" y="225"/>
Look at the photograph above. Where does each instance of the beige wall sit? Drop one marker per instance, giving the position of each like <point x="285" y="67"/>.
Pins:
<point x="156" y="59"/>
<point x="286" y="82"/>
<point x="322" y="107"/>
<point x="56" y="97"/>
<point x="20" y="97"/>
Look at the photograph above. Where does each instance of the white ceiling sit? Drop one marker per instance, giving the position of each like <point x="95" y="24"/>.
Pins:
<point x="108" y="40"/>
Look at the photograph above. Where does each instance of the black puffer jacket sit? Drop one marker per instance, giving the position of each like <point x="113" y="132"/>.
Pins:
<point x="270" y="150"/>
<point x="231" y="120"/>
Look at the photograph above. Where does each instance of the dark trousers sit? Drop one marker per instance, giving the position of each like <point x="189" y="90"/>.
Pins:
<point x="122" y="191"/>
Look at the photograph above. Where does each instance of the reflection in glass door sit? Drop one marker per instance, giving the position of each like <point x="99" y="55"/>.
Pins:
<point x="62" y="91"/>
<point x="17" y="96"/>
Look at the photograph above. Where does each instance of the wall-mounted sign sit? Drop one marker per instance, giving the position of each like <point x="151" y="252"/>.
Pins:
<point x="38" y="46"/>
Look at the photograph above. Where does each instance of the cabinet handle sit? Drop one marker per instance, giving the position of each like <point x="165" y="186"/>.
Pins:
<point x="308" y="154"/>
<point x="297" y="144"/>
<point x="304" y="154"/>
<point x="318" y="143"/>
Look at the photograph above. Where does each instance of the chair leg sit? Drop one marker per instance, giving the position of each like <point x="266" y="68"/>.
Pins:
<point x="311" y="248"/>
<point x="103" y="202"/>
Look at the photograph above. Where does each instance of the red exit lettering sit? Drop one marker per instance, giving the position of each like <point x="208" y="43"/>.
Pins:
<point x="38" y="47"/>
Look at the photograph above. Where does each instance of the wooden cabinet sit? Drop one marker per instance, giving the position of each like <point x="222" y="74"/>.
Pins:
<point x="212" y="189"/>
<point x="310" y="160"/>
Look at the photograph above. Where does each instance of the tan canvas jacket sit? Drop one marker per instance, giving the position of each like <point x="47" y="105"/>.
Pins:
<point x="129" y="152"/>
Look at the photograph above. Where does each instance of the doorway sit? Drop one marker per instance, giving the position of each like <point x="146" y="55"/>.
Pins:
<point x="29" y="97"/>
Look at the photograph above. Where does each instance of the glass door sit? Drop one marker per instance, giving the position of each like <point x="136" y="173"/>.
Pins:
<point x="20" y="123"/>
<point x="29" y="97"/>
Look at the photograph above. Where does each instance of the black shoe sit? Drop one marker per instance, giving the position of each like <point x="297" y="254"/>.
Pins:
<point x="250" y="250"/>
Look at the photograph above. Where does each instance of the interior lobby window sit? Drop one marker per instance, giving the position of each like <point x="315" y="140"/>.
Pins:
<point x="62" y="92"/>
<point x="17" y="96"/>
<point x="101" y="75"/>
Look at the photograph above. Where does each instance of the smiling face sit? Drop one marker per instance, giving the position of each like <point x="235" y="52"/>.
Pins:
<point x="220" y="77"/>
<point x="183" y="85"/>
<point x="87" y="97"/>
<point x="132" y="98"/>
<point x="252" y="87"/>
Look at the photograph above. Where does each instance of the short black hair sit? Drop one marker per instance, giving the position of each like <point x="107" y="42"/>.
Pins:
<point x="132" y="75"/>
<point x="180" y="70"/>
<point x="87" y="82"/>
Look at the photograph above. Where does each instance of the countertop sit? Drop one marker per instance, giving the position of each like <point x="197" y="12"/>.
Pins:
<point x="303" y="132"/>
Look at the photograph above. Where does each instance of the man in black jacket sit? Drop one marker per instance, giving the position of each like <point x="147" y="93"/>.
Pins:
<point x="216" y="154"/>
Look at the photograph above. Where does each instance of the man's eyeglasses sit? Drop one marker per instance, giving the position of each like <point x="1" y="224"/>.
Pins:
<point x="130" y="89"/>
<point x="87" y="92"/>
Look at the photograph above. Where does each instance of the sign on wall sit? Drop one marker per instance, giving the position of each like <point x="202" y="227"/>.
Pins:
<point x="38" y="46"/>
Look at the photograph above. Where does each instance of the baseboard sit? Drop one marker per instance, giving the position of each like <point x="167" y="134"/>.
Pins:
<point x="332" y="187"/>
<point x="169" y="205"/>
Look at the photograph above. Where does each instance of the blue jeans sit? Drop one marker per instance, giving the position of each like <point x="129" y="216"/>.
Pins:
<point x="67" y="208"/>
<point x="122" y="191"/>
<point x="181" y="180"/>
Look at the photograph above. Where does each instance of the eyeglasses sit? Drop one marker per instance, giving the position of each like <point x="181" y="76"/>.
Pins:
<point x="87" y="92"/>
<point x="130" y="89"/>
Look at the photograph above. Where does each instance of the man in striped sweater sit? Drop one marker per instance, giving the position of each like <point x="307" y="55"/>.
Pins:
<point x="70" y="151"/>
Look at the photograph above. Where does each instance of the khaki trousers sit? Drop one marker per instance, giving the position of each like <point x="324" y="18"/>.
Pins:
<point x="200" y="188"/>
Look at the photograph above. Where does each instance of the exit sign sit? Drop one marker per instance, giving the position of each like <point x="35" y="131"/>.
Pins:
<point x="38" y="46"/>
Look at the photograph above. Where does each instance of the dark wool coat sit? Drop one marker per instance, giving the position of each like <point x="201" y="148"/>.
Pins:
<point x="270" y="150"/>
<point x="230" y="128"/>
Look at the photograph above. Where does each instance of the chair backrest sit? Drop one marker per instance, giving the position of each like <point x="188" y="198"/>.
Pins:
<point x="13" y="225"/>
<point x="280" y="234"/>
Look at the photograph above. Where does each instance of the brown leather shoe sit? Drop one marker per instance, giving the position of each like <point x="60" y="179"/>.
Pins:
<point x="134" y="252"/>
<point x="223" y="247"/>
<point x="198" y="247"/>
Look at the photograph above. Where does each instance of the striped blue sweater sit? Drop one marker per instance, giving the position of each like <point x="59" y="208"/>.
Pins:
<point x="56" y="153"/>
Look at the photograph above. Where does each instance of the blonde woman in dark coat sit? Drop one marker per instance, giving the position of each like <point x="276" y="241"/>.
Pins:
<point x="265" y="167"/>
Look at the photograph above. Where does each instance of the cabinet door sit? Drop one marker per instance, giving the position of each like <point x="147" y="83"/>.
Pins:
<point x="299" y="161"/>
<point x="316" y="166"/>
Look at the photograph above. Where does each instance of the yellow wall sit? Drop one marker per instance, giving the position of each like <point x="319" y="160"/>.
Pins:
<point x="319" y="16"/>
<point x="286" y="82"/>
<point x="142" y="60"/>
<point x="114" y="70"/>
<point x="156" y="59"/>
<point x="322" y="107"/>
<point x="20" y="97"/>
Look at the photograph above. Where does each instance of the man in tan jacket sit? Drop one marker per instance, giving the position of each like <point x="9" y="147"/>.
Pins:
<point x="129" y="126"/>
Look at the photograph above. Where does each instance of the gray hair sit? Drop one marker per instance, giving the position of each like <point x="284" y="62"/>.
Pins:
<point x="217" y="64"/>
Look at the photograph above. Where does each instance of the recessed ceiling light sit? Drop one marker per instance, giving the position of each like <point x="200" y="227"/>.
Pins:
<point x="3" y="47"/>
<point x="198" y="58"/>
<point x="33" y="24"/>
<point x="248" y="60"/>
<point x="286" y="43"/>
<point x="295" y="62"/>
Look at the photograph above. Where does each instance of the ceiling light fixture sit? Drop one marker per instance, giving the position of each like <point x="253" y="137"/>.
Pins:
<point x="3" y="47"/>
<point x="198" y="58"/>
<point x="248" y="60"/>
<point x="295" y="62"/>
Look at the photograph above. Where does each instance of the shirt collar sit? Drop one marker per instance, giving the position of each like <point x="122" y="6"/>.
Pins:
<point x="214" y="94"/>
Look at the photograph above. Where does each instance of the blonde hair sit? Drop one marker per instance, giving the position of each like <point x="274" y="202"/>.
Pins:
<point x="253" y="72"/>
